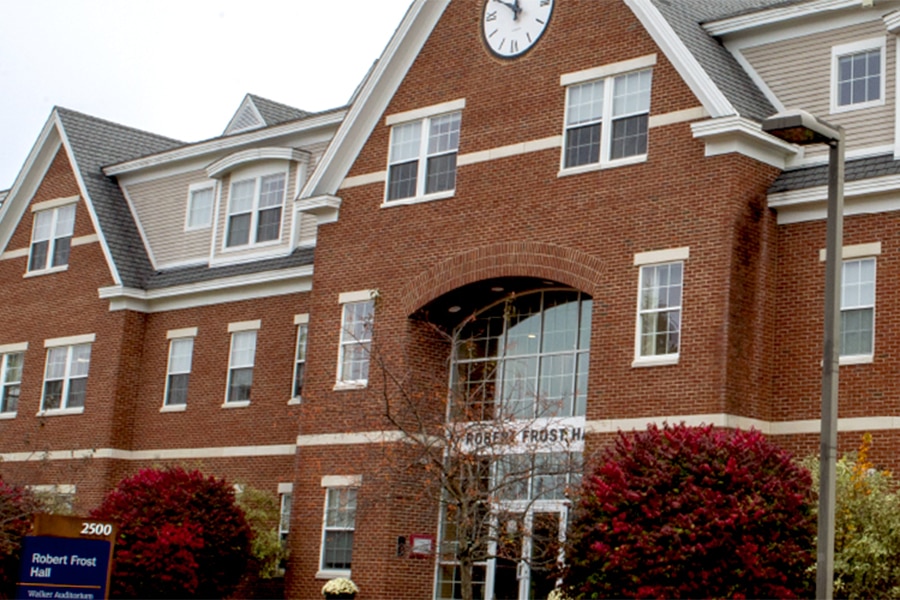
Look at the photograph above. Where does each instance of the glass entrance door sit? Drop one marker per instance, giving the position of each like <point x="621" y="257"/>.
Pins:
<point x="529" y="547"/>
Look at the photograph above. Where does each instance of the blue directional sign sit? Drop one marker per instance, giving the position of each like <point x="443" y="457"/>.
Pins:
<point x="57" y="568"/>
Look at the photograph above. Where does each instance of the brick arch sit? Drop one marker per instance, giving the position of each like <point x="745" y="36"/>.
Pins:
<point x="510" y="259"/>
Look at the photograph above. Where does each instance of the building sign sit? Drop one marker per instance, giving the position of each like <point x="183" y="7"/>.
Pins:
<point x="520" y="436"/>
<point x="68" y="559"/>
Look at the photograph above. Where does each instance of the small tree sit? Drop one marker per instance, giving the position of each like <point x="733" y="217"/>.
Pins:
<point x="683" y="512"/>
<point x="867" y="527"/>
<point x="181" y="535"/>
<point x="17" y="505"/>
<point x="262" y="511"/>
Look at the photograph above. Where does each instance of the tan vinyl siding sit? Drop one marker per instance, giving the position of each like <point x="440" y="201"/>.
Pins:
<point x="161" y="207"/>
<point x="798" y="71"/>
<point x="221" y="251"/>
<point x="307" y="228"/>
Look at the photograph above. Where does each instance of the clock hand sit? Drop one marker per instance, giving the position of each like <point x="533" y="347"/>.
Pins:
<point x="513" y="7"/>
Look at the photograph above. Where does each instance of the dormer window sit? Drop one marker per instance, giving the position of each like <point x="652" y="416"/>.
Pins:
<point x="51" y="238"/>
<point x="858" y="75"/>
<point x="200" y="206"/>
<point x="255" y="209"/>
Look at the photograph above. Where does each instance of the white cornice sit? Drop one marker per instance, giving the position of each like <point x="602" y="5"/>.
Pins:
<point x="681" y="58"/>
<point x="328" y="119"/>
<point x="206" y="293"/>
<point x="232" y="161"/>
<point x="374" y="96"/>
<point x="771" y="16"/>
<point x="743" y="136"/>
<point x="88" y="201"/>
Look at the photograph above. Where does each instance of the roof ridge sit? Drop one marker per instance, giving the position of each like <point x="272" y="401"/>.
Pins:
<point x="162" y="138"/>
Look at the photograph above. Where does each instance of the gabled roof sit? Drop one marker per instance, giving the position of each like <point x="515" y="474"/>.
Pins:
<point x="686" y="17"/>
<point x="92" y="144"/>
<point x="256" y="112"/>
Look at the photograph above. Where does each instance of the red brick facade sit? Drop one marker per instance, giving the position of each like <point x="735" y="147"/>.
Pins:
<point x="750" y="345"/>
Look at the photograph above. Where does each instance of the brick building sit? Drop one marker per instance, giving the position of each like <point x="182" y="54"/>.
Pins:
<point x="566" y="213"/>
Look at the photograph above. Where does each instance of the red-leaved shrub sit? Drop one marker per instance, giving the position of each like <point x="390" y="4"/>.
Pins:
<point x="16" y="507"/>
<point x="692" y="512"/>
<point x="181" y="535"/>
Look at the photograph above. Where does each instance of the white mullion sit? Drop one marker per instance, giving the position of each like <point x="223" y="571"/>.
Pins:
<point x="254" y="209"/>
<point x="423" y="158"/>
<point x="609" y="85"/>
<point x="67" y="375"/>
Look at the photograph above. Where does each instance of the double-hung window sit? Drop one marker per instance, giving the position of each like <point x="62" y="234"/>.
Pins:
<point x="181" y="350"/>
<point x="241" y="362"/>
<point x="200" y="206"/>
<point x="285" y="492"/>
<point x="858" y="75"/>
<point x="858" y="308"/>
<point x="356" y="338"/>
<point x="658" y="339"/>
<point x="51" y="238"/>
<point x="607" y="117"/>
<point x="422" y="160"/>
<point x="300" y="355"/>
<point x="10" y="380"/>
<point x="255" y="208"/>
<point x="339" y="524"/>
<point x="65" y="376"/>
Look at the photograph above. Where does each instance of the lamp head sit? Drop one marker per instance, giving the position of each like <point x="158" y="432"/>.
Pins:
<point x="801" y="128"/>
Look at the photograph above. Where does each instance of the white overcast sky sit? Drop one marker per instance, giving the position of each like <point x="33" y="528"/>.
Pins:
<point x="179" y="68"/>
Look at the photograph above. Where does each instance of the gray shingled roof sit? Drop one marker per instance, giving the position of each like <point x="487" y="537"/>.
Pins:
<point x="854" y="170"/>
<point x="3" y="194"/>
<point x="274" y="113"/>
<point x="686" y="18"/>
<point x="96" y="143"/>
<point x="186" y="275"/>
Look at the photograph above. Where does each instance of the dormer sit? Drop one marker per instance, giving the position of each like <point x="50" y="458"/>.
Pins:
<point x="256" y="112"/>
<point x="255" y="186"/>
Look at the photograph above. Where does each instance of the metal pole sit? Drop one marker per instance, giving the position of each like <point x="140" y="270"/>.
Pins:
<point x="830" y="364"/>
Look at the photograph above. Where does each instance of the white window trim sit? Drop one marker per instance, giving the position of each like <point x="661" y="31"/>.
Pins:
<point x="302" y="319"/>
<point x="233" y="329"/>
<point x="608" y="73"/>
<point x="81" y="340"/>
<point x="55" y="203"/>
<point x="869" y="358"/>
<point x="330" y="482"/>
<point x="343" y="299"/>
<point x="74" y="340"/>
<point x="878" y="43"/>
<point x="179" y="335"/>
<point x="646" y="259"/>
<point x="5" y="351"/>
<point x="256" y="174"/>
<point x="53" y="206"/>
<point x="198" y="187"/>
<point x="245" y="326"/>
<point x="423" y="115"/>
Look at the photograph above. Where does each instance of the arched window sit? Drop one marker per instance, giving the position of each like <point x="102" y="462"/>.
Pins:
<point x="524" y="357"/>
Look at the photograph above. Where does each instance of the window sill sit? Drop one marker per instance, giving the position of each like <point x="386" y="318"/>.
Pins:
<point x="7" y="416"/>
<point x="856" y="359"/>
<point x="252" y="246"/>
<point x="171" y="408"/>
<point x="622" y="162"/>
<point x="655" y="361"/>
<point x="295" y="401"/>
<point x="46" y="271"/>
<point x="331" y="574"/>
<point x="419" y="199"/>
<point x="350" y="385"/>
<point x="836" y="109"/>
<point x="240" y="404"/>
<point x="61" y="412"/>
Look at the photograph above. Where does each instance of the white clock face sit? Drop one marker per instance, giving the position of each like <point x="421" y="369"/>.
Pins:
<point x="512" y="27"/>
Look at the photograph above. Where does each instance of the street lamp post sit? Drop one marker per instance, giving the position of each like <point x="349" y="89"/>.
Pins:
<point x="800" y="127"/>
